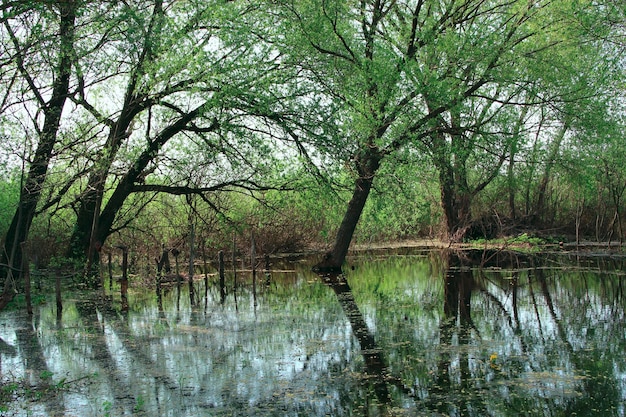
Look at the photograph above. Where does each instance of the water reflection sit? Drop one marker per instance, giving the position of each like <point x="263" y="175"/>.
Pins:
<point x="416" y="333"/>
<point x="455" y="328"/>
<point x="372" y="354"/>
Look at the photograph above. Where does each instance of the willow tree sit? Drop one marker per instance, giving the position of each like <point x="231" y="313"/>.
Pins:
<point x="39" y="45"/>
<point x="419" y="74"/>
<point x="539" y="93"/>
<point x="135" y="43"/>
<point x="176" y="66"/>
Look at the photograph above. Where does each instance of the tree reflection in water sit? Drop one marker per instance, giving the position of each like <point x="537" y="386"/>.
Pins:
<point x="373" y="355"/>
<point x="470" y="334"/>
<point x="456" y="323"/>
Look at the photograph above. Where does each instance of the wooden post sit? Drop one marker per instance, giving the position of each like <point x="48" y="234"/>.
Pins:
<point x="101" y="276"/>
<point x="109" y="258"/>
<point x="253" y="261"/>
<point x="158" y="278"/>
<point x="192" y="297"/>
<point x="26" y="275"/>
<point x="176" y="252"/>
<point x="124" y="280"/>
<point x="58" y="293"/>
<point x="124" y="292"/>
<point x="37" y="267"/>
<point x="205" y="267"/>
<point x="158" y="286"/>
<point x="220" y="261"/>
<point x="253" y="254"/>
<point x="234" y="262"/>
<point x="268" y="275"/>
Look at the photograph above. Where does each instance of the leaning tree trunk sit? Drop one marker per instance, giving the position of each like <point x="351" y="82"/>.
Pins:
<point x="91" y="199"/>
<point x="126" y="186"/>
<point x="334" y="259"/>
<point x="30" y="193"/>
<point x="135" y="101"/>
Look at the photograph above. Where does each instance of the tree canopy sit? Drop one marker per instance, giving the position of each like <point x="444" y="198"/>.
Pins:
<point x="472" y="109"/>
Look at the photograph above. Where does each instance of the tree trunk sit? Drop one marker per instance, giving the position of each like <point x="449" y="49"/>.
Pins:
<point x="135" y="101"/>
<point x="456" y="204"/>
<point x="457" y="211"/>
<point x="450" y="160"/>
<point x="513" y="148"/>
<point x="553" y="152"/>
<point x="32" y="187"/>
<point x="511" y="183"/>
<point x="92" y="197"/>
<point x="124" y="188"/>
<point x="334" y="259"/>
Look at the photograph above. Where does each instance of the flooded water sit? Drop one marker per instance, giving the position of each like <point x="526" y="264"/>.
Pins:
<point x="401" y="333"/>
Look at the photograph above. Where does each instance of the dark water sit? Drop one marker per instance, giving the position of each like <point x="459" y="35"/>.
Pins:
<point x="402" y="333"/>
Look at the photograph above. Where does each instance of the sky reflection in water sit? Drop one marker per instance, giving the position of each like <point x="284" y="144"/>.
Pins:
<point x="417" y="333"/>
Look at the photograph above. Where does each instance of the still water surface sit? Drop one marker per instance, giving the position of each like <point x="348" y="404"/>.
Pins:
<point x="401" y="333"/>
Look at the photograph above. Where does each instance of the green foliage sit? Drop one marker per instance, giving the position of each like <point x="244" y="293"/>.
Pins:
<point x="521" y="241"/>
<point x="139" y="404"/>
<point x="107" y="406"/>
<point x="403" y="205"/>
<point x="293" y="94"/>
<point x="19" y="301"/>
<point x="9" y="197"/>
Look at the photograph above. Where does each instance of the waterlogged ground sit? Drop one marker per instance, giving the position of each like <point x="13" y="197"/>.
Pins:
<point x="404" y="332"/>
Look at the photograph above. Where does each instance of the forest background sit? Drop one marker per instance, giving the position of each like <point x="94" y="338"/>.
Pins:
<point x="306" y="124"/>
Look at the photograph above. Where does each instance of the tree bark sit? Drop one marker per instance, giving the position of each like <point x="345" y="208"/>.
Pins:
<point x="510" y="173"/>
<point x="553" y="152"/>
<point x="334" y="259"/>
<point x="31" y="190"/>
<point x="135" y="102"/>
<point x="456" y="206"/>
<point x="91" y="199"/>
<point x="455" y="196"/>
<point x="126" y="186"/>
<point x="511" y="183"/>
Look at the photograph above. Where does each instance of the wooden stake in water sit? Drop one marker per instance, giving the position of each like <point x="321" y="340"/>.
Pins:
<point x="109" y="256"/>
<point x="253" y="254"/>
<point x="176" y="252"/>
<point x="192" y="297"/>
<point x="220" y="262"/>
<point x="26" y="276"/>
<point x="253" y="261"/>
<point x="58" y="293"/>
<point x="124" y="280"/>
<point x="234" y="262"/>
<point x="268" y="274"/>
<point x="205" y="267"/>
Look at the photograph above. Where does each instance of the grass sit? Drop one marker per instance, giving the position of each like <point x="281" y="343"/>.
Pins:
<point x="520" y="242"/>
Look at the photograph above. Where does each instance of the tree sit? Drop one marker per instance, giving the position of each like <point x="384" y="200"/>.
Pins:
<point x="49" y="91"/>
<point x="189" y="63"/>
<point x="417" y="74"/>
<point x="144" y="37"/>
<point x="469" y="157"/>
